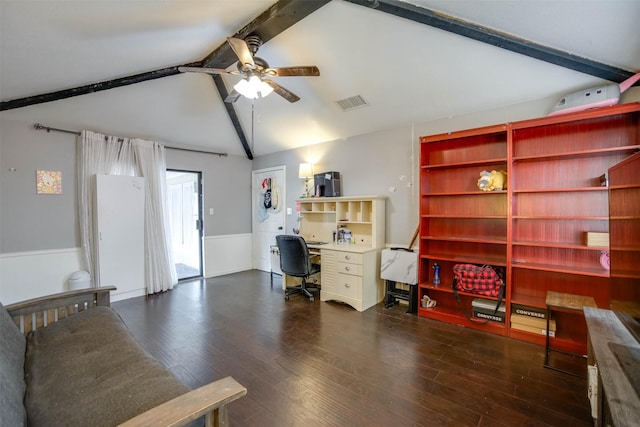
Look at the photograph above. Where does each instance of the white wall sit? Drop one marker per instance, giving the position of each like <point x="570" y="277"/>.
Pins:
<point x="227" y="254"/>
<point x="26" y="275"/>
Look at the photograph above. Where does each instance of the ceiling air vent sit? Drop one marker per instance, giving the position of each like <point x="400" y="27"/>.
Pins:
<point x="352" y="103"/>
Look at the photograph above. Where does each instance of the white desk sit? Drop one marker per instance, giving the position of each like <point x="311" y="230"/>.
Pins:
<point x="350" y="274"/>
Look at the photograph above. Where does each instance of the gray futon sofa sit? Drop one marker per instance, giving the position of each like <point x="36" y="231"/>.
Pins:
<point x="69" y="360"/>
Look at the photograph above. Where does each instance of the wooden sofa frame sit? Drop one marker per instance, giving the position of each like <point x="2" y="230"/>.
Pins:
<point x="209" y="401"/>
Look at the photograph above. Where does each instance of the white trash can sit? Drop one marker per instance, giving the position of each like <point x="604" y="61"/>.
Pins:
<point x="79" y="280"/>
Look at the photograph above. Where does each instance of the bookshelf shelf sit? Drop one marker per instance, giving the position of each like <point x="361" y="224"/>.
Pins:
<point x="535" y="227"/>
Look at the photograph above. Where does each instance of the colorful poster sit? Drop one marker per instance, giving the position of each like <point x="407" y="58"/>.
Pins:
<point x="49" y="182"/>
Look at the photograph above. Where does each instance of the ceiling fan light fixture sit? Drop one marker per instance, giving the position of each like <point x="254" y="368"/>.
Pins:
<point x="253" y="88"/>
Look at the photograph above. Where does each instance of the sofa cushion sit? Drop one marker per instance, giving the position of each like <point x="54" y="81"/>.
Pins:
<point x="12" y="386"/>
<point x="87" y="369"/>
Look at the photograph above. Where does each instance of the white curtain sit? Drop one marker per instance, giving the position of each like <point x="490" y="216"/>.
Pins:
<point x="102" y="154"/>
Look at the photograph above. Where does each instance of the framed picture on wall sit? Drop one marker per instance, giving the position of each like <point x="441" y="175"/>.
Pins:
<point x="48" y="182"/>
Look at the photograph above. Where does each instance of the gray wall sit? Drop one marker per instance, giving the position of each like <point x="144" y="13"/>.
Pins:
<point x="371" y="164"/>
<point x="226" y="189"/>
<point x="30" y="222"/>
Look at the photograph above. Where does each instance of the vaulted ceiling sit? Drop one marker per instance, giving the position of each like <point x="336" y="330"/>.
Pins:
<point x="111" y="65"/>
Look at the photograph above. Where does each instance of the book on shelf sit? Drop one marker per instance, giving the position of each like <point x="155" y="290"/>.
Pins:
<point x="597" y="239"/>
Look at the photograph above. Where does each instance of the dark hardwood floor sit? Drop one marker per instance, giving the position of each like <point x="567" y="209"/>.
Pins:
<point x="325" y="364"/>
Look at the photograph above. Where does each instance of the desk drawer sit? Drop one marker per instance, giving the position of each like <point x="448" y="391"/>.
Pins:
<point x="355" y="269"/>
<point x="351" y="257"/>
<point x="349" y="286"/>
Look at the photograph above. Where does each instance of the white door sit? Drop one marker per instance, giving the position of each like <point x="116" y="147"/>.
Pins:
<point x="184" y="201"/>
<point x="120" y="234"/>
<point x="268" y="189"/>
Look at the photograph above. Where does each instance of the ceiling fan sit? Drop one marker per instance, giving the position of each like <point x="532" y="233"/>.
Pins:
<point x="255" y="70"/>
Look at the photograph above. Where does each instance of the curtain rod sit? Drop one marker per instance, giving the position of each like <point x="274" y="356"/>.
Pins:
<point x="39" y="126"/>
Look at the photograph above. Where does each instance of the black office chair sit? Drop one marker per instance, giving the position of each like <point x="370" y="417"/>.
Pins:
<point x="295" y="261"/>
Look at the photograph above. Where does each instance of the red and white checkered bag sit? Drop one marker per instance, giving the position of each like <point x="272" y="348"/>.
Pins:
<point x="477" y="279"/>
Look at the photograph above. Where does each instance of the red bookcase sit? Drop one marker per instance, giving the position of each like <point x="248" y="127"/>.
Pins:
<point x="458" y="222"/>
<point x="624" y="235"/>
<point x="537" y="227"/>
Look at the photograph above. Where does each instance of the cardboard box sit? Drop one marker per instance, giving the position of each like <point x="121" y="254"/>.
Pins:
<point x="484" y="308"/>
<point x="527" y="310"/>
<point x="597" y="239"/>
<point x="532" y="329"/>
<point x="533" y="321"/>
<point x="487" y="304"/>
<point x="481" y="314"/>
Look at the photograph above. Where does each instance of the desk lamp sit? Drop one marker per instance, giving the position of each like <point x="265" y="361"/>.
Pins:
<point x="305" y="171"/>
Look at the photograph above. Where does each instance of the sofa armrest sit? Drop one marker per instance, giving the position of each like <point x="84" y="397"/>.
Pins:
<point x="39" y="312"/>
<point x="209" y="400"/>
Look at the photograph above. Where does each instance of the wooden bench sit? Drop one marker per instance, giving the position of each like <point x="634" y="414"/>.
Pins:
<point x="614" y="360"/>
<point x="558" y="301"/>
<point x="55" y="313"/>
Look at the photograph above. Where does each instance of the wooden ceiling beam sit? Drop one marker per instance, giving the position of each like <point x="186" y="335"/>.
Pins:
<point x="233" y="116"/>
<point x="269" y="24"/>
<point x="285" y="13"/>
<point x="496" y="38"/>
<point x="91" y="88"/>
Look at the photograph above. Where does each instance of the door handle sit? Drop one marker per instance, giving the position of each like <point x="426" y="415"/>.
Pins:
<point x="279" y="228"/>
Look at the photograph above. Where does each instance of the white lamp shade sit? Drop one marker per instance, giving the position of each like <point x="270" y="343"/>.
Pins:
<point x="305" y="170"/>
<point x="253" y="88"/>
<point x="265" y="89"/>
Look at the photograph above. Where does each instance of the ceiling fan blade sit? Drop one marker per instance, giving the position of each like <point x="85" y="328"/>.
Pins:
<point x="205" y="70"/>
<point x="305" y="71"/>
<point x="233" y="96"/>
<point x="242" y="51"/>
<point x="285" y="93"/>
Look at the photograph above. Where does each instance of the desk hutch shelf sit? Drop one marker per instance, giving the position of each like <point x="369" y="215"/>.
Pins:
<point x="350" y="272"/>
<point x="537" y="227"/>
<point x="364" y="216"/>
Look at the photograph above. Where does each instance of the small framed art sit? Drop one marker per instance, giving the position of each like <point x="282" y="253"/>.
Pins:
<point x="48" y="182"/>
